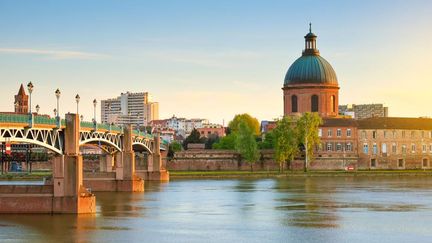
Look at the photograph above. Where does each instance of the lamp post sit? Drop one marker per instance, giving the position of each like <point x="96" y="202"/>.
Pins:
<point x="82" y="118"/>
<point x="57" y="94"/>
<point x="37" y="109"/>
<point x="55" y="112"/>
<point x="77" y="99"/>
<point x="30" y="90"/>
<point x="94" y="117"/>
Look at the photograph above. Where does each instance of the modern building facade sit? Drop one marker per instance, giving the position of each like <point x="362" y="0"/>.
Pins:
<point x="363" y="111"/>
<point x="137" y="109"/>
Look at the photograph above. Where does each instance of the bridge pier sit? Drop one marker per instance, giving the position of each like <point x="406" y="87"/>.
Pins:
<point x="70" y="196"/>
<point x="155" y="172"/>
<point x="106" y="163"/>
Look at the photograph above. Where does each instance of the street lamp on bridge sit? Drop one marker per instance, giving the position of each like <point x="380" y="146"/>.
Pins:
<point x="58" y="93"/>
<point x="30" y="90"/>
<point x="37" y="109"/>
<point x="77" y="99"/>
<point x="94" y="117"/>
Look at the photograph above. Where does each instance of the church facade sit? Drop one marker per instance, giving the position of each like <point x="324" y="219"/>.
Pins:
<point x="311" y="85"/>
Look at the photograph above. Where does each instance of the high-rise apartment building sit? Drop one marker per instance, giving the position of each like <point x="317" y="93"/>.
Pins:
<point x="130" y="108"/>
<point x="364" y="111"/>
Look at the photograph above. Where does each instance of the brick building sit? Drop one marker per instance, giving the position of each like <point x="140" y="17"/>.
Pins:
<point x="21" y="101"/>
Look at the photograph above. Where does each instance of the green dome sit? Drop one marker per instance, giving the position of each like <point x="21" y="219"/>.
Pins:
<point x="311" y="69"/>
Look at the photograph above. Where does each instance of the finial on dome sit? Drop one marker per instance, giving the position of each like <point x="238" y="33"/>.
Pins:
<point x="310" y="27"/>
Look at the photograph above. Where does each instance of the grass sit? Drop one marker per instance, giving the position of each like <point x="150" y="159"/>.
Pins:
<point x="17" y="176"/>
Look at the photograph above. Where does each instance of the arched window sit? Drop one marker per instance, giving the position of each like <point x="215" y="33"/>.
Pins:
<point x="314" y="103"/>
<point x="333" y="103"/>
<point x="294" y="107"/>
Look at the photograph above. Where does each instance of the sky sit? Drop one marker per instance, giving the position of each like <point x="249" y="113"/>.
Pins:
<point x="213" y="59"/>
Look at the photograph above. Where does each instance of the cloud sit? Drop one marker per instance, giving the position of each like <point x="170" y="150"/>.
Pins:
<point x="54" y="54"/>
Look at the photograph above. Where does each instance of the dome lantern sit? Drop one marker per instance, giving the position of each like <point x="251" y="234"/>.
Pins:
<point x="310" y="43"/>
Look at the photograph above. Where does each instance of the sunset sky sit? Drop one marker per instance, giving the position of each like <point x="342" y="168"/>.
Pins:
<point x="213" y="59"/>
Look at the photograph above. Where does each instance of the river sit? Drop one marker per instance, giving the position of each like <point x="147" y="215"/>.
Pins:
<point x="317" y="209"/>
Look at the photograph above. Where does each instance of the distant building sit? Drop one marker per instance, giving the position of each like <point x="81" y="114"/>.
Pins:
<point x="21" y="101"/>
<point x="364" y="111"/>
<point x="209" y="130"/>
<point x="183" y="127"/>
<point x="130" y="108"/>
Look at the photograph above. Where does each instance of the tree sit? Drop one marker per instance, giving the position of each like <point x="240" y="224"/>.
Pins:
<point x="173" y="148"/>
<point x="307" y="127"/>
<point x="246" y="144"/>
<point x="227" y="142"/>
<point x="194" y="137"/>
<point x="268" y="142"/>
<point x="251" y="122"/>
<point x="285" y="142"/>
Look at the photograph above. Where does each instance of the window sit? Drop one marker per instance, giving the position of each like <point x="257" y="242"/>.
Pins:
<point x="430" y="134"/>
<point x="385" y="134"/>
<point x="394" y="148"/>
<point x="314" y="103"/>
<point x="319" y="132"/>
<point x="413" y="148"/>
<point x="363" y="134"/>
<point x="329" y="133"/>
<point x="338" y="132"/>
<point x="333" y="103"/>
<point x="424" y="148"/>
<point x="375" y="148"/>
<point x="425" y="163"/>
<point x="403" y="134"/>
<point x="329" y="147"/>
<point x="338" y="147"/>
<point x="365" y="148"/>
<point x="423" y="134"/>
<point x="430" y="148"/>
<point x="403" y="148"/>
<point x="373" y="163"/>
<point x="412" y="134"/>
<point x="401" y="163"/>
<point x="348" y="133"/>
<point x="384" y="148"/>
<point x="374" y="134"/>
<point x="394" y="134"/>
<point x="348" y="147"/>
<point x="294" y="107"/>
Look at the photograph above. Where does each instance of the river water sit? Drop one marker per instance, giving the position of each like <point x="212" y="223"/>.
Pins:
<point x="319" y="209"/>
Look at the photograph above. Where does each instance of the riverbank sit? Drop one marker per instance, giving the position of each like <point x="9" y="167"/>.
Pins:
<point x="38" y="176"/>
<point x="275" y="174"/>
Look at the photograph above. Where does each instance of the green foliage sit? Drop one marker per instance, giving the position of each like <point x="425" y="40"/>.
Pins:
<point x="285" y="141"/>
<point x="194" y="137"/>
<point x="173" y="148"/>
<point x="227" y="142"/>
<point x="245" y="143"/>
<point x="251" y="122"/>
<point x="268" y="142"/>
<point x="307" y="127"/>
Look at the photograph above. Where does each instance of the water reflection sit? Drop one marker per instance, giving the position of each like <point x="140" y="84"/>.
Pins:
<point x="345" y="209"/>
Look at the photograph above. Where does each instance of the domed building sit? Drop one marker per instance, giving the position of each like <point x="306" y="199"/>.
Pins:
<point x="311" y="84"/>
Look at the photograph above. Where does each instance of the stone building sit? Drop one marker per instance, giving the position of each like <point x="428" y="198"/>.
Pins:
<point x="395" y="143"/>
<point x="21" y="101"/>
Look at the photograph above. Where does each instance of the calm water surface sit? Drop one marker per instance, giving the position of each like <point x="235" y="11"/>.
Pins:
<point x="393" y="209"/>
